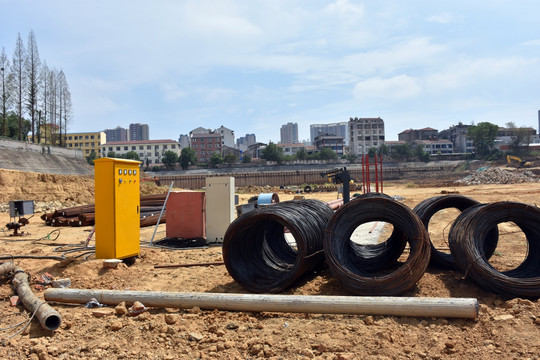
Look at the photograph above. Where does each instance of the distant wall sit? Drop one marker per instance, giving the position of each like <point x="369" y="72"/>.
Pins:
<point x="23" y="156"/>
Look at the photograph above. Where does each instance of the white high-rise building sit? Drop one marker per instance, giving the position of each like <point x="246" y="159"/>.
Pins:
<point x="289" y="133"/>
<point x="365" y="133"/>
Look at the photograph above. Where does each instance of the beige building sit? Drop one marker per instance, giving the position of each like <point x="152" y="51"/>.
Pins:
<point x="365" y="133"/>
<point x="149" y="151"/>
<point x="86" y="142"/>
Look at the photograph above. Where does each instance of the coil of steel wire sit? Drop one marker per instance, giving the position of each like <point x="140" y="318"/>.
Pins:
<point x="428" y="207"/>
<point x="258" y="256"/>
<point x="467" y="241"/>
<point x="341" y="260"/>
<point x="376" y="257"/>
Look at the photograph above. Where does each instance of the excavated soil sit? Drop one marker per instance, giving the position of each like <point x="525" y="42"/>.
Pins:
<point x="504" y="329"/>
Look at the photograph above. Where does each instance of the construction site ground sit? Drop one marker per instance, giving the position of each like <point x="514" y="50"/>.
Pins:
<point x="504" y="329"/>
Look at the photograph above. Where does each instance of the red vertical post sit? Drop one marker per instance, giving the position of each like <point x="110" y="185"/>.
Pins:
<point x="381" y="177"/>
<point x="376" y="175"/>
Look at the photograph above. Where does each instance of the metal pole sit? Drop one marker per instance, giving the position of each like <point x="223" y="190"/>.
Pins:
<point x="161" y="213"/>
<point x="320" y="304"/>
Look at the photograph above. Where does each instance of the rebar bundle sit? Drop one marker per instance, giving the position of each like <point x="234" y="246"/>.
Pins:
<point x="468" y="237"/>
<point x="257" y="254"/>
<point x="429" y="207"/>
<point x="345" y="265"/>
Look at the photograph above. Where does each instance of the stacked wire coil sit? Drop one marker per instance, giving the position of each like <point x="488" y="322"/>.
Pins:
<point x="349" y="271"/>
<point x="429" y="207"/>
<point x="257" y="254"/>
<point x="470" y="232"/>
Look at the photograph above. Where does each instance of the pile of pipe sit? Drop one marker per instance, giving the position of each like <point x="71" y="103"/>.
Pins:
<point x="259" y="257"/>
<point x="84" y="215"/>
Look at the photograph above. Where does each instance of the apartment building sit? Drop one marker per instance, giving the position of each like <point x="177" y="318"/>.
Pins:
<point x="365" y="133"/>
<point x="333" y="142"/>
<point x="86" y="141"/>
<point x="205" y="145"/>
<point x="149" y="151"/>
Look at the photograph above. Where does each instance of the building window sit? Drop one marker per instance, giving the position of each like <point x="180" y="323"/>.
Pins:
<point x="70" y="145"/>
<point x="86" y="137"/>
<point x="133" y="148"/>
<point x="157" y="153"/>
<point x="85" y="144"/>
<point x="86" y="151"/>
<point x="118" y="148"/>
<point x="173" y="146"/>
<point x="141" y="147"/>
<point x="126" y="148"/>
<point x="164" y="147"/>
<point x="69" y="138"/>
<point x="141" y="155"/>
<point x="92" y="136"/>
<point x="156" y="147"/>
<point x="110" y="149"/>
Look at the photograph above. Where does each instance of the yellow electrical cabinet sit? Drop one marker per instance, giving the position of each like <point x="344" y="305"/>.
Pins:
<point x="117" y="202"/>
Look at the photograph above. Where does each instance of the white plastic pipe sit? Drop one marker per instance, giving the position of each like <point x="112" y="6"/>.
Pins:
<point x="393" y="306"/>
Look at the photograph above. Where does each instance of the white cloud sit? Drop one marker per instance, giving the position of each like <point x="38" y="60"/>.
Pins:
<point x="394" y="88"/>
<point x="171" y="91"/>
<point x="441" y="18"/>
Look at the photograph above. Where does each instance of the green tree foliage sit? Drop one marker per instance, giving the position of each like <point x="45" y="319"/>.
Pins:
<point x="327" y="154"/>
<point x="483" y="135"/>
<point x="301" y="154"/>
<point x="169" y="159"/>
<point x="246" y="159"/>
<point x="272" y="152"/>
<point x="351" y="157"/>
<point x="90" y="159"/>
<point x="187" y="158"/>
<point x="372" y="151"/>
<point x="402" y="152"/>
<point x="132" y="155"/>
<point x="230" y="159"/>
<point x="216" y="159"/>
<point x="111" y="154"/>
<point x="383" y="149"/>
<point x="520" y="139"/>
<point x="13" y="126"/>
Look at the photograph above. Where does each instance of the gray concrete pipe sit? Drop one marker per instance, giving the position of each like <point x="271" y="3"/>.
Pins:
<point x="49" y="318"/>
<point x="392" y="306"/>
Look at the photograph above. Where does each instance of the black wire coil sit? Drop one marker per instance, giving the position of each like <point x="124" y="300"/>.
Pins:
<point x="427" y="208"/>
<point x="257" y="254"/>
<point x="467" y="241"/>
<point x="345" y="265"/>
<point x="376" y="257"/>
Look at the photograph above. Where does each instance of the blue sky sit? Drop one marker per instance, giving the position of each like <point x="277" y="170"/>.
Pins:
<point x="253" y="65"/>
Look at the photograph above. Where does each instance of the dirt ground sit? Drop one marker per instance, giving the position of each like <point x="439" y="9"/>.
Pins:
<point x="504" y="329"/>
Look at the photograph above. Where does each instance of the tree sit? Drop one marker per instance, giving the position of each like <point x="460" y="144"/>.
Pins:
<point x="372" y="151"/>
<point x="5" y="90"/>
<point x="246" y="159"/>
<point x="230" y="159"/>
<point x="520" y="138"/>
<point x="402" y="152"/>
<point x="13" y="126"/>
<point x="327" y="154"/>
<point x="301" y="154"/>
<point x="383" y="149"/>
<point x="111" y="154"/>
<point x="32" y="67"/>
<point x="483" y="135"/>
<point x="90" y="159"/>
<point x="216" y="159"/>
<point x="133" y="155"/>
<point x="169" y="159"/>
<point x="272" y="152"/>
<point x="187" y="158"/>
<point x="19" y="79"/>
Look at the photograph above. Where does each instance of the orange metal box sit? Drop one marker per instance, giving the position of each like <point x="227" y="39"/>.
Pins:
<point x="186" y="215"/>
